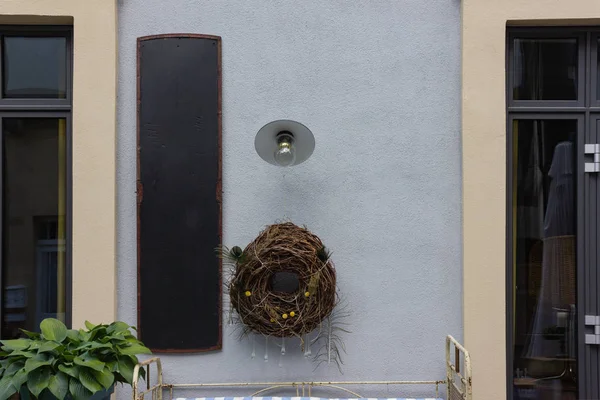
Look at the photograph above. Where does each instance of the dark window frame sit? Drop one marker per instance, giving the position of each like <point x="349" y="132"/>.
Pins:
<point x="44" y="108"/>
<point x="586" y="110"/>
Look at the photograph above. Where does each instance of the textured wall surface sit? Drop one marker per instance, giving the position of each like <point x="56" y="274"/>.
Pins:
<point x="379" y="85"/>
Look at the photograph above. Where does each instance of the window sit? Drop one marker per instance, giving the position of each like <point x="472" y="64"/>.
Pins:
<point x="35" y="119"/>
<point x="552" y="268"/>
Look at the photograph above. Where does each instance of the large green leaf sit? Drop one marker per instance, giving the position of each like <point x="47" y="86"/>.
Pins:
<point x="20" y="354"/>
<point x="118" y="327"/>
<point x="15" y="344"/>
<point x="53" y="329"/>
<point x="30" y="335"/>
<point x="126" y="367"/>
<point x="14" y="367"/>
<point x="38" y="361"/>
<point x="83" y="347"/>
<point x="38" y="380"/>
<point x="94" y="346"/>
<point x="89" y="362"/>
<point x="89" y="325"/>
<point x="73" y="335"/>
<point x="59" y="385"/>
<point x="19" y="378"/>
<point x="105" y="378"/>
<point x="48" y="346"/>
<point x="35" y="345"/>
<point x="78" y="391"/>
<point x="7" y="388"/>
<point x="72" y="371"/>
<point x="132" y="340"/>
<point x="84" y="336"/>
<point x="135" y="349"/>
<point x="97" y="333"/>
<point x="88" y="380"/>
<point x="113" y="366"/>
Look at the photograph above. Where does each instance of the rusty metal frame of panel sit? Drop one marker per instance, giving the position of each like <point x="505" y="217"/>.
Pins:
<point x="219" y="185"/>
<point x="458" y="380"/>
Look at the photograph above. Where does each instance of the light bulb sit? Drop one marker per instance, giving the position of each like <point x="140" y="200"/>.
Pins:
<point x="285" y="155"/>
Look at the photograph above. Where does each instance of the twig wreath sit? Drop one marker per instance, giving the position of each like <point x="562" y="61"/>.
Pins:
<point x="261" y="308"/>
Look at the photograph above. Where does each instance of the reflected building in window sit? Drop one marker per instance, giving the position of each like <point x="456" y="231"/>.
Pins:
<point x="34" y="228"/>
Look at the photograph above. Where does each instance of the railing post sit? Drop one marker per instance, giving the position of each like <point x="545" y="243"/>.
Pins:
<point x="448" y="368"/>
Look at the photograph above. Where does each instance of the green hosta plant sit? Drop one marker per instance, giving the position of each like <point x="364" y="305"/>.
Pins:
<point x="63" y="363"/>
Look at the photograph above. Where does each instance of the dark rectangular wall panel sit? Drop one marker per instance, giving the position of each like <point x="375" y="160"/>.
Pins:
<point x="179" y="192"/>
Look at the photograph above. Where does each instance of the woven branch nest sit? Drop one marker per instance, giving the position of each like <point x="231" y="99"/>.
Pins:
<point x="287" y="248"/>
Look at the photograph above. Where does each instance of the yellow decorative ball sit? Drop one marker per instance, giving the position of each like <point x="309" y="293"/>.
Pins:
<point x="306" y="294"/>
<point x="248" y="293"/>
<point x="292" y="314"/>
<point x="284" y="316"/>
<point x="272" y="319"/>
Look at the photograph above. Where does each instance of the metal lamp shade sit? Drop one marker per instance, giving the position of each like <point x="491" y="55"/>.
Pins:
<point x="266" y="145"/>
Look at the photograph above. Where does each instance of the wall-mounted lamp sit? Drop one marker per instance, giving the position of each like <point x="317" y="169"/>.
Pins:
<point x="284" y="143"/>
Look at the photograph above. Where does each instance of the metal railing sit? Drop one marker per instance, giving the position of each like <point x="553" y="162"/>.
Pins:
<point x="458" y="372"/>
<point x="458" y="380"/>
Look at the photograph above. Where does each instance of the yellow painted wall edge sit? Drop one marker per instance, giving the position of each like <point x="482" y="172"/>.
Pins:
<point x="484" y="170"/>
<point x="94" y="137"/>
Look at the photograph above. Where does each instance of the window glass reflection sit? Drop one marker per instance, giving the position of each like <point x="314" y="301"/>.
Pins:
<point x="544" y="263"/>
<point x="598" y="70"/>
<point x="34" y="67"/>
<point x="34" y="225"/>
<point x="545" y="69"/>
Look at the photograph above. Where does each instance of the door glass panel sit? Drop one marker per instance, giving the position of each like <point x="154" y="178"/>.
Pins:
<point x="34" y="67"/>
<point x="544" y="263"/>
<point x="34" y="227"/>
<point x="597" y="70"/>
<point x="545" y="69"/>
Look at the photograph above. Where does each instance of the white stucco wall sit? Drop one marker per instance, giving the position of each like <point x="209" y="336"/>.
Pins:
<point x="378" y="82"/>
